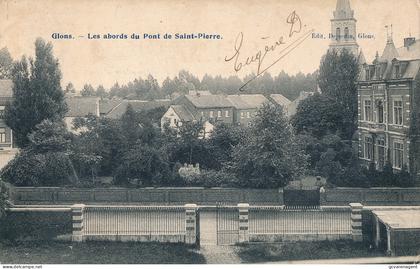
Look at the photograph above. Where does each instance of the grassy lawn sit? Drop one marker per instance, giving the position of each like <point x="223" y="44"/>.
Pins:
<point x="266" y="252"/>
<point x="47" y="252"/>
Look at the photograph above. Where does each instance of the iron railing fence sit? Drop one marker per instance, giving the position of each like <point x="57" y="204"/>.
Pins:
<point x="134" y="220"/>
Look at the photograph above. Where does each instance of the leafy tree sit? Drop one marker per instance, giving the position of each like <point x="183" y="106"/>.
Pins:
<point x="269" y="155"/>
<point x="6" y="64"/>
<point x="87" y="90"/>
<point x="130" y="126"/>
<point x="318" y="115"/>
<point x="100" y="140"/>
<point x="143" y="164"/>
<point x="70" y="88"/>
<point x="49" y="136"/>
<point x="101" y="92"/>
<point x="45" y="162"/>
<point x="37" y="93"/>
<point x="337" y="80"/>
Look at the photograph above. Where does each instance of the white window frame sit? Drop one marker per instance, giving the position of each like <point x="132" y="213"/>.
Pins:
<point x="227" y="113"/>
<point x="367" y="115"/>
<point x="248" y="114"/>
<point x="398" y="120"/>
<point x="219" y="113"/>
<point x="242" y="114"/>
<point x="2" y="135"/>
<point x="395" y="152"/>
<point x="368" y="148"/>
<point x="211" y="114"/>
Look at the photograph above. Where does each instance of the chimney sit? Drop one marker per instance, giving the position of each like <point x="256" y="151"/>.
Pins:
<point x="408" y="41"/>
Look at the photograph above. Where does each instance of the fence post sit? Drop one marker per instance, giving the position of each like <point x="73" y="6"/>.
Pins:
<point x="356" y="221"/>
<point x="77" y="216"/>
<point x="190" y="223"/>
<point x="243" y="223"/>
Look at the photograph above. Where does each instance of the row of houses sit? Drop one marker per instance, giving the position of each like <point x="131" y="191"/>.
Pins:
<point x="209" y="109"/>
<point x="200" y="105"/>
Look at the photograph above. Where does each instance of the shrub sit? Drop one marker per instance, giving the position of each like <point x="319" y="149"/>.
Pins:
<point x="213" y="178"/>
<point x="44" y="169"/>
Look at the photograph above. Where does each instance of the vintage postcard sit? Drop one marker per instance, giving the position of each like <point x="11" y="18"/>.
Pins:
<point x="270" y="132"/>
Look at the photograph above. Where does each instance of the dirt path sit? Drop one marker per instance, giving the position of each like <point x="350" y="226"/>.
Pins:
<point x="220" y="254"/>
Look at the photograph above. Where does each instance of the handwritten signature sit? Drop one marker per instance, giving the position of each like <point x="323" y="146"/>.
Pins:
<point x="258" y="58"/>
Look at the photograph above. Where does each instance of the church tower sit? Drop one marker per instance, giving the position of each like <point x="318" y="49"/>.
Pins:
<point x="343" y="28"/>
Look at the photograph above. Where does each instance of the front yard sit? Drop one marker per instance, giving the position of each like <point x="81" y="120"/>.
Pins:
<point x="266" y="252"/>
<point x="52" y="252"/>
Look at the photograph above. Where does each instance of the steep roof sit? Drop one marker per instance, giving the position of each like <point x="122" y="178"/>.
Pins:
<point x="209" y="101"/>
<point x="106" y="105"/>
<point x="82" y="106"/>
<point x="280" y="99"/>
<point x="6" y="88"/>
<point x="182" y="112"/>
<point x="343" y="10"/>
<point x="390" y="52"/>
<point x="137" y="105"/>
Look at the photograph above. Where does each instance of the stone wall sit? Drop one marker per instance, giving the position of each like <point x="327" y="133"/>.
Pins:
<point x="371" y="196"/>
<point x="52" y="195"/>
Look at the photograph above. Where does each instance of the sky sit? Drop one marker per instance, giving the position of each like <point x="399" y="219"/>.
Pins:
<point x="262" y="23"/>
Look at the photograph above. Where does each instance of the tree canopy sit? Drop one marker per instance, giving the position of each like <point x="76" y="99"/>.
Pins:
<point x="37" y="93"/>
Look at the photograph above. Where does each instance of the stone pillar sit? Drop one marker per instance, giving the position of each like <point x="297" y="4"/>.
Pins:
<point x="388" y="242"/>
<point x="377" y="231"/>
<point x="190" y="224"/>
<point x="243" y="223"/>
<point x="77" y="216"/>
<point x="356" y="221"/>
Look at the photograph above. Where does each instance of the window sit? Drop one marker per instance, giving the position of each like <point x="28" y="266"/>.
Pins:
<point x="242" y="115"/>
<point x="248" y="114"/>
<point x="398" y="112"/>
<point x="398" y="155"/>
<point x="378" y="71"/>
<point x="202" y="113"/>
<point x="2" y="135"/>
<point x="175" y="121"/>
<point x="367" y="73"/>
<point x="368" y="148"/>
<point x="381" y="153"/>
<point x="227" y="113"/>
<point x="380" y="106"/>
<point x="219" y="114"/>
<point x="397" y="71"/>
<point x="337" y="33"/>
<point x="346" y="33"/>
<point x="2" y="112"/>
<point x="368" y="110"/>
<point x="211" y="114"/>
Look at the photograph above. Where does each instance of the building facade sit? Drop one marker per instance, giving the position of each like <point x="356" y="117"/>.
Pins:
<point x="388" y="106"/>
<point x="212" y="109"/>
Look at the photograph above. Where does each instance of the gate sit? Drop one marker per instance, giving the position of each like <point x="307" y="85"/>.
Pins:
<point x="227" y="223"/>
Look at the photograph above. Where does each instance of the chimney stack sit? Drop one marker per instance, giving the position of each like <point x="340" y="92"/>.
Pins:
<point x="408" y="41"/>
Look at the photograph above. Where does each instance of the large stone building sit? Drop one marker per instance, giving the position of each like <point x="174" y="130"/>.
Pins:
<point x="388" y="107"/>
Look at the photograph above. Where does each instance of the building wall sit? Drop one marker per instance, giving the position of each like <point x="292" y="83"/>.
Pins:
<point x="212" y="114"/>
<point x="391" y="129"/>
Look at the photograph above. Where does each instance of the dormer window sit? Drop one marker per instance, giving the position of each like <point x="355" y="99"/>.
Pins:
<point x="397" y="71"/>
<point x="378" y="71"/>
<point x="367" y="73"/>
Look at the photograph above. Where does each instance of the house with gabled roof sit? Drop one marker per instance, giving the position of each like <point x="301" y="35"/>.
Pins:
<point x="211" y="109"/>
